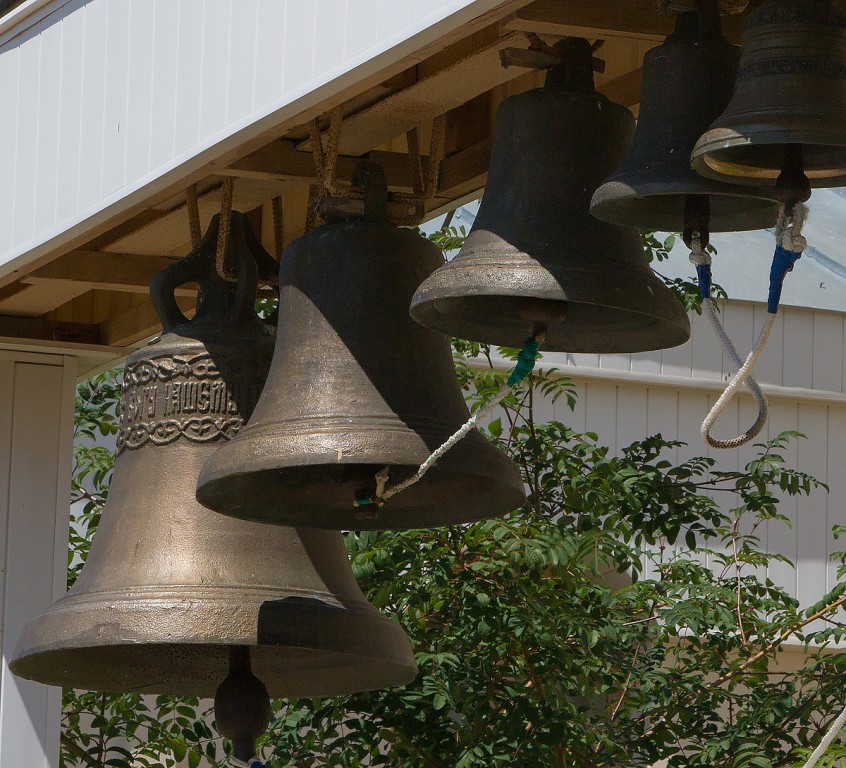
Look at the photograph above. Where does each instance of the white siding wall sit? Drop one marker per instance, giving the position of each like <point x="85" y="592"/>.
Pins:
<point x="111" y="100"/>
<point x="627" y="397"/>
<point x="36" y="430"/>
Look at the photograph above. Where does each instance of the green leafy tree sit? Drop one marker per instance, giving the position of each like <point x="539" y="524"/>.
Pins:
<point x="583" y="630"/>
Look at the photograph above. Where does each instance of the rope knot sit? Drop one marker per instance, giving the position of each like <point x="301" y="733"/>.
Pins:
<point x="702" y="261"/>
<point x="788" y="229"/>
<point x="526" y="359"/>
<point x="367" y="504"/>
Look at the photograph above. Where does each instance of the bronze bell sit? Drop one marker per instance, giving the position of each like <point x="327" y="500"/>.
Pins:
<point x="355" y="387"/>
<point x="535" y="256"/>
<point x="170" y="589"/>
<point x="687" y="82"/>
<point x="788" y="114"/>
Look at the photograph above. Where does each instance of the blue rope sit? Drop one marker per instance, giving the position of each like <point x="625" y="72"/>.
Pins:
<point x="703" y="272"/>
<point x="783" y="261"/>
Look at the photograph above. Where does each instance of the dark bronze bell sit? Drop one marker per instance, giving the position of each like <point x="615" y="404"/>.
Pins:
<point x="171" y="590"/>
<point x="687" y="82"/>
<point x="356" y="387"/>
<point x="535" y="256"/>
<point x="788" y="113"/>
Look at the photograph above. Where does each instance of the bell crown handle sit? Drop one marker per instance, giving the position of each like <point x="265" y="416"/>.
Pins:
<point x="218" y="299"/>
<point x="369" y="176"/>
<point x="575" y="70"/>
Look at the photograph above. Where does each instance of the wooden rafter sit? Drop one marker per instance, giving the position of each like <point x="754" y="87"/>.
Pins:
<point x="633" y="19"/>
<point x="96" y="270"/>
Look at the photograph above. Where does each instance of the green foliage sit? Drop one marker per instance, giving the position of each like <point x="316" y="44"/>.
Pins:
<point x="620" y="617"/>
<point x="585" y="629"/>
<point x="687" y="291"/>
<point x="449" y="238"/>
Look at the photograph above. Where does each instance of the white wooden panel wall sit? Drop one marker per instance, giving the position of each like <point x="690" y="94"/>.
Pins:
<point x="627" y="397"/>
<point x="107" y="101"/>
<point x="806" y="350"/>
<point x="36" y="429"/>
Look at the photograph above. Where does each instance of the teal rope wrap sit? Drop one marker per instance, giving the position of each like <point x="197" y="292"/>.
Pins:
<point x="525" y="362"/>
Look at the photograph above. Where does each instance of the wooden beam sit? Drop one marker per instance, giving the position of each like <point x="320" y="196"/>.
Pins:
<point x="625" y="89"/>
<point x="634" y="19"/>
<point x="92" y="270"/>
<point x="42" y="329"/>
<point x="137" y="323"/>
<point x="167" y="232"/>
<point x="283" y="161"/>
<point x="461" y="173"/>
<point x="431" y="96"/>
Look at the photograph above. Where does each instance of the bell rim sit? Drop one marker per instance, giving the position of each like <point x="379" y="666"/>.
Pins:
<point x="720" y="138"/>
<point x="439" y="299"/>
<point x="360" y="639"/>
<point x="628" y="200"/>
<point x="223" y="483"/>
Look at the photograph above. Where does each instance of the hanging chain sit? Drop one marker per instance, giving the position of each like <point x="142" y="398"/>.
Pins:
<point x="277" y="206"/>
<point x="325" y="150"/>
<point x="223" y="228"/>
<point x="193" y="208"/>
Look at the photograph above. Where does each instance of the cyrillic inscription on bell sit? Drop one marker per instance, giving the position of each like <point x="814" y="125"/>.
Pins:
<point x="177" y="599"/>
<point x="356" y="388"/>
<point x="535" y="258"/>
<point x="184" y="396"/>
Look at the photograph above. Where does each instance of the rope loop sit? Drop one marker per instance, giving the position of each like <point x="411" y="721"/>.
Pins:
<point x="223" y="228"/>
<point x="702" y="261"/>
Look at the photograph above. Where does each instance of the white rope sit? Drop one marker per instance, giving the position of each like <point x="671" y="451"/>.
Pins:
<point x="830" y="736"/>
<point x="788" y="228"/>
<point x="382" y="477"/>
<point x="788" y="232"/>
<point x="743" y="376"/>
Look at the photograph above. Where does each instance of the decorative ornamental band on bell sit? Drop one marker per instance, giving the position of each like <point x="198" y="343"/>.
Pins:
<point x="174" y="598"/>
<point x="788" y="111"/>
<point x="535" y="257"/>
<point x="357" y="388"/>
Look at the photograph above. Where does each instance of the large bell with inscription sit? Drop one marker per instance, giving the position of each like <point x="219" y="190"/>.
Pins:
<point x="785" y="126"/>
<point x="535" y="258"/>
<point x="687" y="82"/>
<point x="176" y="599"/>
<point x="356" y="389"/>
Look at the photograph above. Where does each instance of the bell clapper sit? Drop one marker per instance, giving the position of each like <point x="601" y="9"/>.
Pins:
<point x="793" y="183"/>
<point x="242" y="707"/>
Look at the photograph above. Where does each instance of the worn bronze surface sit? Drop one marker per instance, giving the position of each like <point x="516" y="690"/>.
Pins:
<point x="687" y="83"/>
<point x="169" y="586"/>
<point x="790" y="91"/>
<point x="356" y="386"/>
<point x="535" y="254"/>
